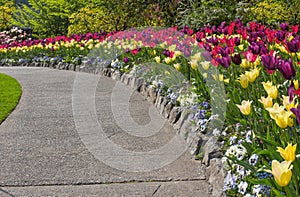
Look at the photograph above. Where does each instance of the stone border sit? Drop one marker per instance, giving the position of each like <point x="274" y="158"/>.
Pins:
<point x="176" y="116"/>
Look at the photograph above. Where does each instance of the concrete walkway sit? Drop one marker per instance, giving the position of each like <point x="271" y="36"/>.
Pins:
<point x="49" y="147"/>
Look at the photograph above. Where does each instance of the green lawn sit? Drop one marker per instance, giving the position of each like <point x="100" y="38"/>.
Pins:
<point x="10" y="93"/>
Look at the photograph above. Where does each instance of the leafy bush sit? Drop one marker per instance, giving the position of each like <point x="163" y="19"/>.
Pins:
<point x="6" y="11"/>
<point x="197" y="14"/>
<point x="46" y="17"/>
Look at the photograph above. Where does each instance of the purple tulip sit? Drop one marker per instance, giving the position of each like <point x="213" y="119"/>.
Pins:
<point x="286" y="68"/>
<point x="207" y="47"/>
<point x="263" y="49"/>
<point x="214" y="29"/>
<point x="206" y="56"/>
<point x="254" y="47"/>
<point x="237" y="41"/>
<point x="166" y="53"/>
<point x="236" y="59"/>
<point x="126" y="59"/>
<point x="293" y="46"/>
<point x="269" y="62"/>
<point x="297" y="113"/>
<point x="215" y="41"/>
<point x="224" y="51"/>
<point x="291" y="92"/>
<point x="284" y="26"/>
<point x="224" y="61"/>
<point x="280" y="35"/>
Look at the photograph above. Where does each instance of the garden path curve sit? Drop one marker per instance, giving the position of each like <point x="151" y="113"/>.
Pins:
<point x="42" y="153"/>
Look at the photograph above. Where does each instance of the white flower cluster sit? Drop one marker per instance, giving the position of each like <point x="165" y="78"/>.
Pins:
<point x="187" y="100"/>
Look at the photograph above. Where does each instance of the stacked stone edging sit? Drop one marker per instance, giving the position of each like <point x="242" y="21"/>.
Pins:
<point x="176" y="116"/>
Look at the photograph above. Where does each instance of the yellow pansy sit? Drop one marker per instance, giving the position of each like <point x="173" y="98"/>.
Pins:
<point x="289" y="153"/>
<point x="245" y="107"/>
<point x="282" y="172"/>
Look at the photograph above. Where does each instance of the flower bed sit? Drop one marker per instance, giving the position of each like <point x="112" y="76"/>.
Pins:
<point x="238" y="85"/>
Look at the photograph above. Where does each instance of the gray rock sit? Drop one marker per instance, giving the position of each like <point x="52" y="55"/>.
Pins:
<point x="190" y="132"/>
<point x="211" y="150"/>
<point x="116" y="76"/>
<point x="140" y="81"/>
<point x="167" y="110"/>
<point x="158" y="101"/>
<point x="151" y="95"/>
<point x="184" y="117"/>
<point x="162" y="106"/>
<point x="136" y="83"/>
<point x="144" y="90"/>
<point x="63" y="66"/>
<point x="71" y="67"/>
<point x="215" y="175"/>
<point x="126" y="78"/>
<point x="175" y="114"/>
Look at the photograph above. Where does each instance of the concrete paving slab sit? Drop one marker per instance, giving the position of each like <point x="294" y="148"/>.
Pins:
<point x="41" y="144"/>
<point x="184" y="189"/>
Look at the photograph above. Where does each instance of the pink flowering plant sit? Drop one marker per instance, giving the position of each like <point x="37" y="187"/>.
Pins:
<point x="257" y="66"/>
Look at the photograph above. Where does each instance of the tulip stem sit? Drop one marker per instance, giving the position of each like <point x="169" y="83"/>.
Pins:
<point x="288" y="191"/>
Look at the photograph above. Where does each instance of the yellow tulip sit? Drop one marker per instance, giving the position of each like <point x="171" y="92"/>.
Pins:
<point x="282" y="172"/>
<point x="157" y="59"/>
<point x="245" y="108"/>
<point x="171" y="48"/>
<point x="267" y="102"/>
<point x="167" y="60"/>
<point x="296" y="84"/>
<point x="289" y="153"/>
<point x="241" y="47"/>
<point x="252" y="75"/>
<point x="267" y="84"/>
<point x="196" y="57"/>
<point x="276" y="109"/>
<point x="243" y="79"/>
<point x="177" y="53"/>
<point x="177" y="66"/>
<point x="205" y="65"/>
<point x="287" y="104"/>
<point x="257" y="62"/>
<point x="283" y="119"/>
<point x="245" y="63"/>
<point x="270" y="89"/>
<point x="194" y="64"/>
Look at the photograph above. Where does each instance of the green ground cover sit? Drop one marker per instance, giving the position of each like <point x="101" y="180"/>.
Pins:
<point x="10" y="93"/>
